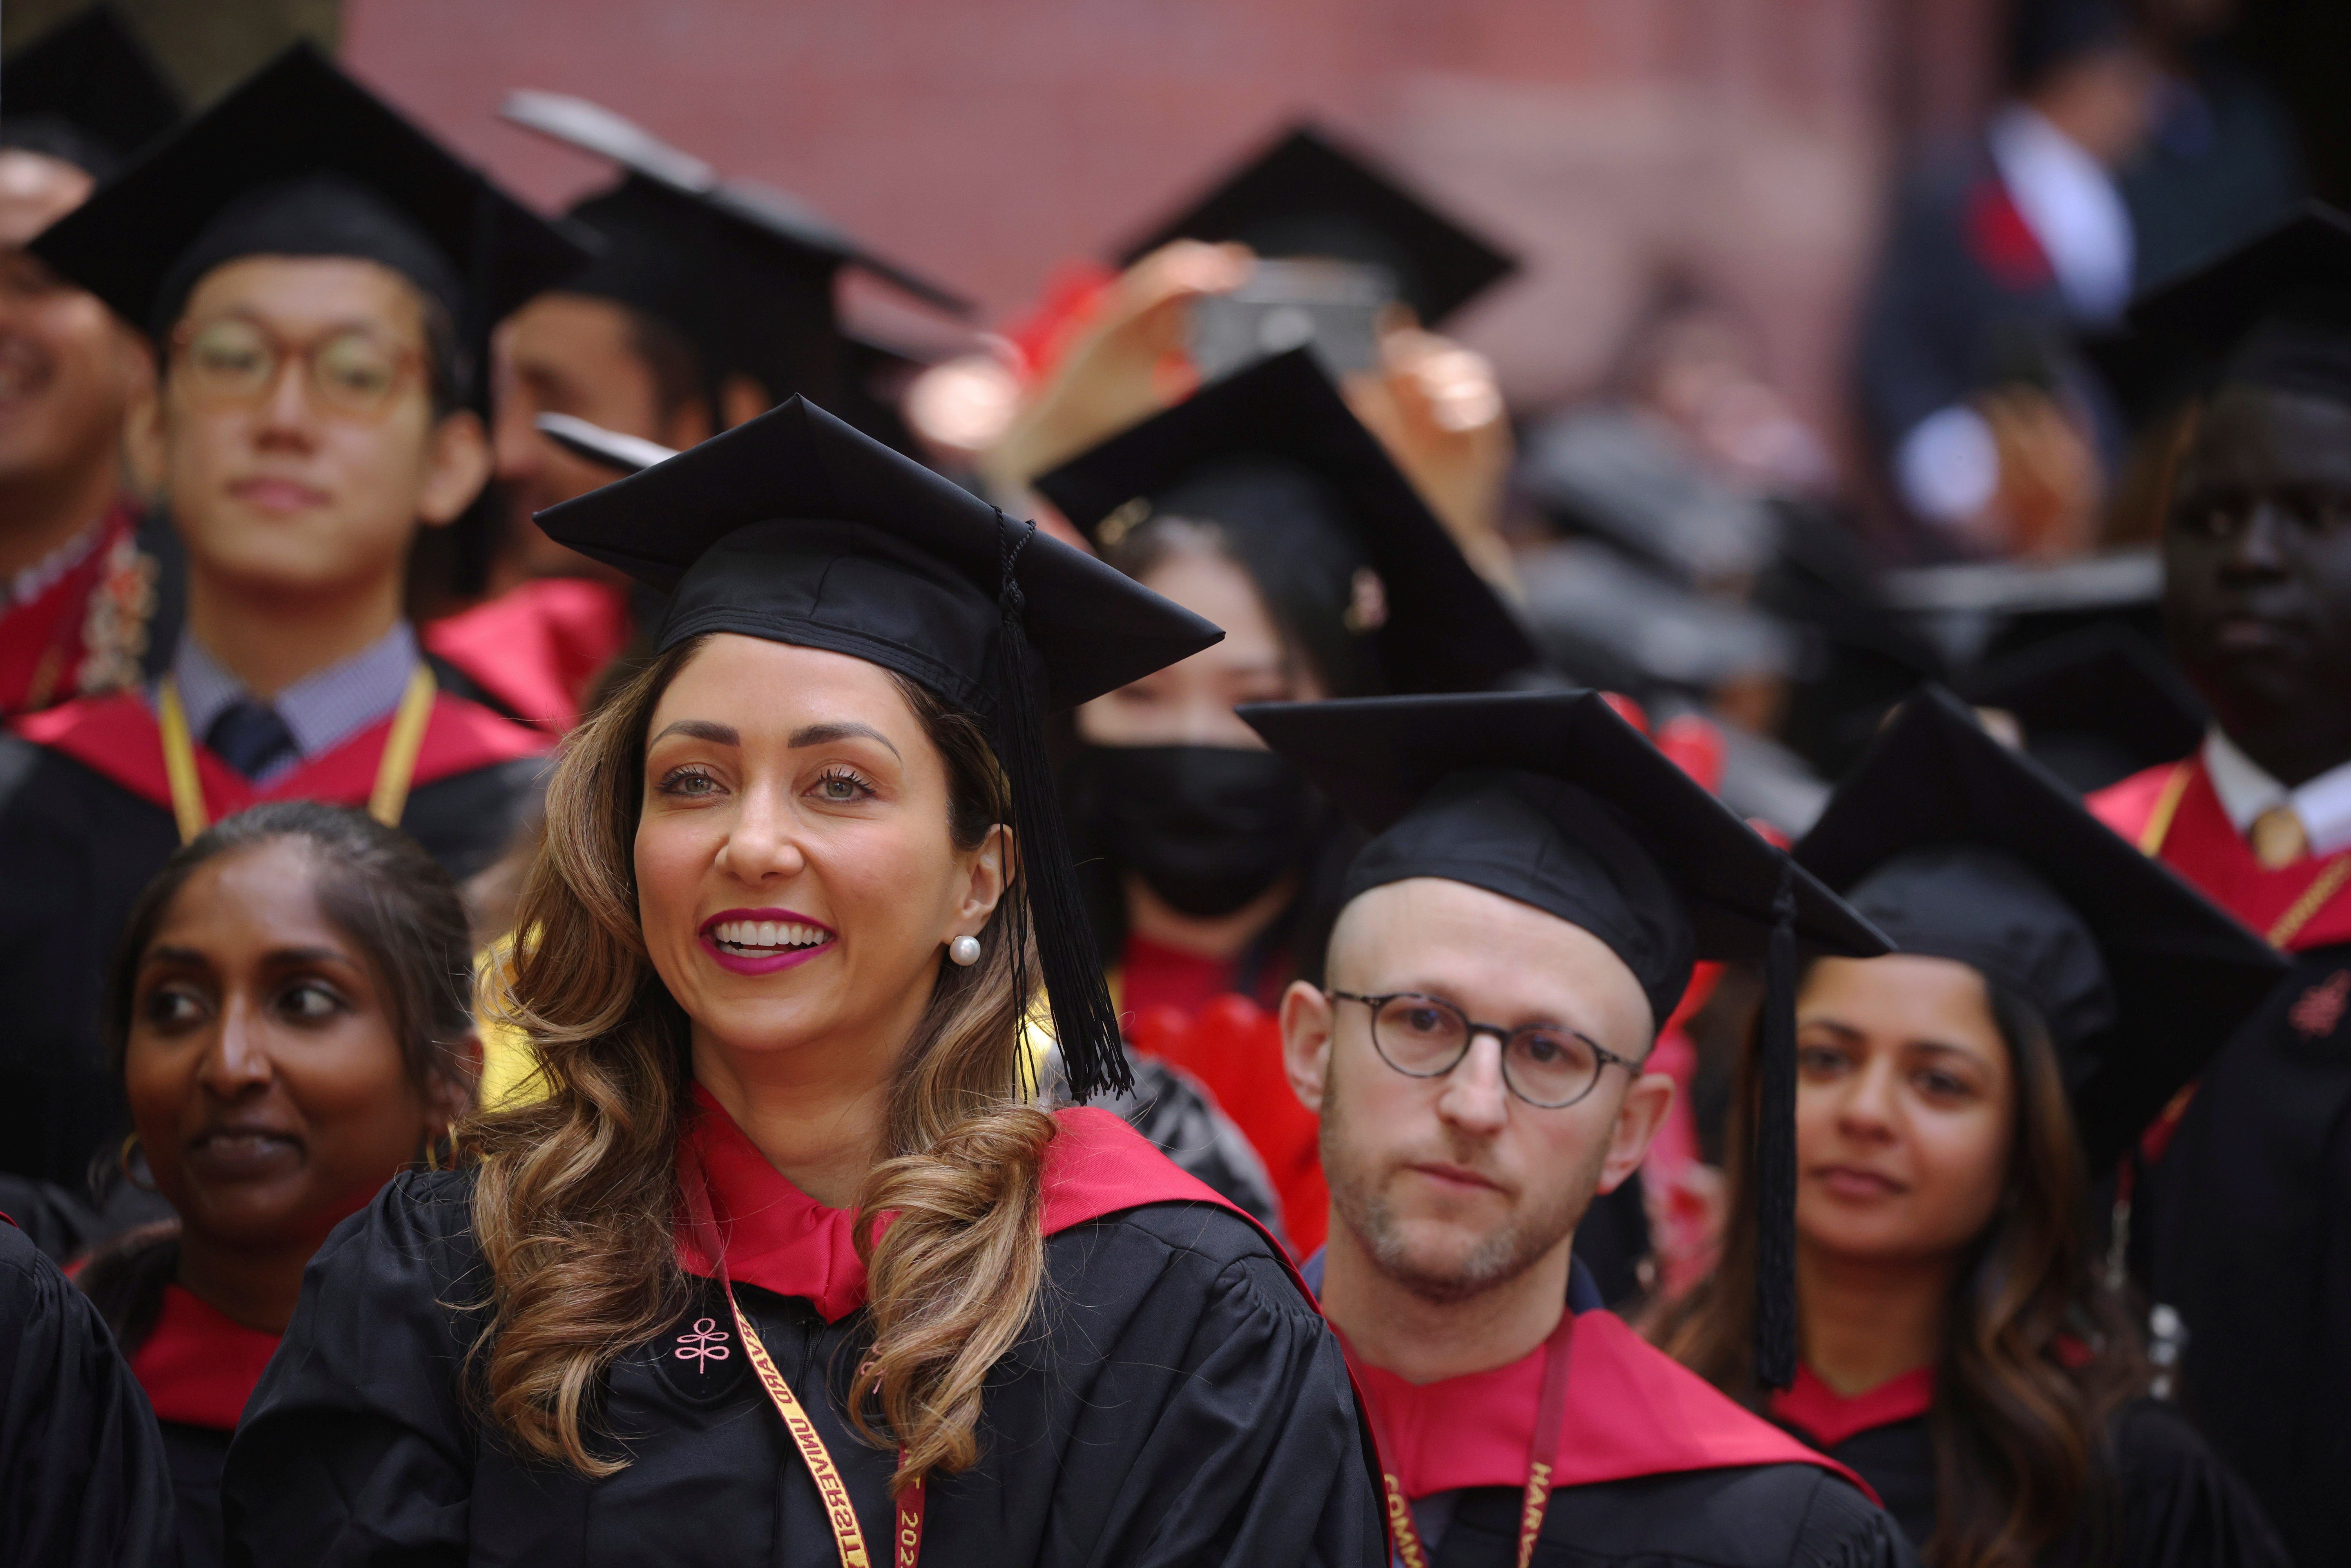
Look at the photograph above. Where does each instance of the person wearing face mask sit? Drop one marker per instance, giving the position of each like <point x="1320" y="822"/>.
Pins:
<point x="791" y="1205"/>
<point x="1262" y="504"/>
<point x="2244" y="1189"/>
<point x="320" y="276"/>
<point x="290" y="1011"/>
<point x="2051" y="990"/>
<point x="1541" y="882"/>
<point x="87" y="583"/>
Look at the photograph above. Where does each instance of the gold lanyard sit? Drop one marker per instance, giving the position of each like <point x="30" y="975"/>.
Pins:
<point x="394" y="774"/>
<point x="1542" y="1459"/>
<point x="839" y="1512"/>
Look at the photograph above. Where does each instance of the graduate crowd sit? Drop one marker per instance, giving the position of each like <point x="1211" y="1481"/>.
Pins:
<point x="636" y="929"/>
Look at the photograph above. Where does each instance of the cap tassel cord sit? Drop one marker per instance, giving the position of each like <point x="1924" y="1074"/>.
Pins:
<point x="1775" y="1151"/>
<point x="1085" y="1024"/>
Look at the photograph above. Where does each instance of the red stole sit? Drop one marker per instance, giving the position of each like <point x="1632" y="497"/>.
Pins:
<point x="539" y="645"/>
<point x="199" y="1365"/>
<point x="1234" y="1048"/>
<point x="1830" y="1418"/>
<point x="1632" y="1411"/>
<point x="118" y="736"/>
<point x="45" y="641"/>
<point x="2173" y="811"/>
<point x="781" y="1240"/>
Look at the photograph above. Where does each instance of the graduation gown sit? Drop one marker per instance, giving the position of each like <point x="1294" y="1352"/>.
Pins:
<point x="1964" y="299"/>
<point x="85" y="822"/>
<point x="1656" y="1468"/>
<point x="2246" y="1217"/>
<point x="538" y="647"/>
<point x="83" y="1480"/>
<point x="198" y="1366"/>
<point x="1180" y="1400"/>
<point x="2175" y="1504"/>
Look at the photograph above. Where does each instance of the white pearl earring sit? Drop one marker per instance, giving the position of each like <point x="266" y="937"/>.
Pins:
<point x="964" y="951"/>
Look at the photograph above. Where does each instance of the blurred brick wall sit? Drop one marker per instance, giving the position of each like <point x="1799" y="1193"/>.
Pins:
<point x="1740" y="145"/>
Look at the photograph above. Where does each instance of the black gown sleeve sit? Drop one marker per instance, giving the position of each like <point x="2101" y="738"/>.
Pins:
<point x="1220" y="1426"/>
<point x="354" y="1448"/>
<point x="83" y="1480"/>
<point x="2181" y="1507"/>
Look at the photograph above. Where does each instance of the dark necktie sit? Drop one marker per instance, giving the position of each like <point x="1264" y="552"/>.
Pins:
<point x="250" y="738"/>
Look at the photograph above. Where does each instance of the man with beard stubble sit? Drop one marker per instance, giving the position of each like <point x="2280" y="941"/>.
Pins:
<point x="1541" y="881"/>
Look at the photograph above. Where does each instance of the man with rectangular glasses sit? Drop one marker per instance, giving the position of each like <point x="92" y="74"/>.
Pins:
<point x="318" y="279"/>
<point x="1526" y="915"/>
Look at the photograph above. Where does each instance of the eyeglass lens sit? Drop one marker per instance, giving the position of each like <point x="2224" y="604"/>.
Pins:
<point x="351" y="371"/>
<point x="1543" y="1065"/>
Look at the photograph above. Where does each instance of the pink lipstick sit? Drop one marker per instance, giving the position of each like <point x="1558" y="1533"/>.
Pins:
<point x="762" y="941"/>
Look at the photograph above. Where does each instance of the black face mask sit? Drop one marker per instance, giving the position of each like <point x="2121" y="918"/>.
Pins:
<point x="1207" y="828"/>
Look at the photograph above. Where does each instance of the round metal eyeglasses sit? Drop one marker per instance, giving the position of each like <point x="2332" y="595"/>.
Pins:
<point x="1544" y="1064"/>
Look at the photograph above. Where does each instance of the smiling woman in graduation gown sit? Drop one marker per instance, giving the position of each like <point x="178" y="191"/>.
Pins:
<point x="2050" y="991"/>
<point x="784" y="1267"/>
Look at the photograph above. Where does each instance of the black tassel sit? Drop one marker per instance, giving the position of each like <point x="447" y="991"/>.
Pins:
<point x="1774" y="1151"/>
<point x="1085" y="1025"/>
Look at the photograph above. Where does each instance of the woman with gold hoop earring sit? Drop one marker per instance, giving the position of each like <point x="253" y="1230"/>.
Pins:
<point x="288" y="1012"/>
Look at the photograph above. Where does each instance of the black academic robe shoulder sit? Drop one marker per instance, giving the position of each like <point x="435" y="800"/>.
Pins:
<point x="1178" y="1402"/>
<point x="1752" y="1516"/>
<point x="2249" y="1226"/>
<point x="195" y="1455"/>
<point x="83" y="1480"/>
<point x="77" y="846"/>
<point x="2169" y="1501"/>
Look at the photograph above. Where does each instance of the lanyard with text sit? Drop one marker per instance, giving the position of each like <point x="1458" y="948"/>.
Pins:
<point x="393" y="773"/>
<point x="1542" y="1456"/>
<point x="830" y="1486"/>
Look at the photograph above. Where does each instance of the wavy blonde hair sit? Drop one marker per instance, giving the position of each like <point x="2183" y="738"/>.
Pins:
<point x="577" y="1194"/>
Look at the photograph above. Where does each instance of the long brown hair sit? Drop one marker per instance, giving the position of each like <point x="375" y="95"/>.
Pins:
<point x="578" y="1192"/>
<point x="2036" y="1355"/>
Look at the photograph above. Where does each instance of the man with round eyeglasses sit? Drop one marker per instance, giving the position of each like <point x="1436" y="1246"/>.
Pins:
<point x="1539" y="882"/>
<point x="317" y="279"/>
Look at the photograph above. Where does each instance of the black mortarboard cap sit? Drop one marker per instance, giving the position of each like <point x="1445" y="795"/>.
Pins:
<point x="1551" y="799"/>
<point x="796" y="527"/>
<point x="1960" y="848"/>
<point x="1274" y="450"/>
<point x="1307" y="195"/>
<point x="302" y="161"/>
<point x="87" y="91"/>
<point x="745" y="273"/>
<point x="2094" y="704"/>
<point x="2275" y="311"/>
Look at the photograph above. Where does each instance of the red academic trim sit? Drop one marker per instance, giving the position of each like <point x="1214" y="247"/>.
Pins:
<point x="1829" y="1417"/>
<point x="2201" y="844"/>
<point x="781" y="1240"/>
<point x="2001" y="242"/>
<point x="1632" y="1411"/>
<point x="539" y="645"/>
<point x="117" y="735"/>
<point x="1233" y="1047"/>
<point x="199" y="1365"/>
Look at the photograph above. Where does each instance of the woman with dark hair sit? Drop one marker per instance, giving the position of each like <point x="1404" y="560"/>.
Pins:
<point x="289" y="1013"/>
<point x="1960" y="1350"/>
<point x="788" y="1258"/>
<point x="1262" y="504"/>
